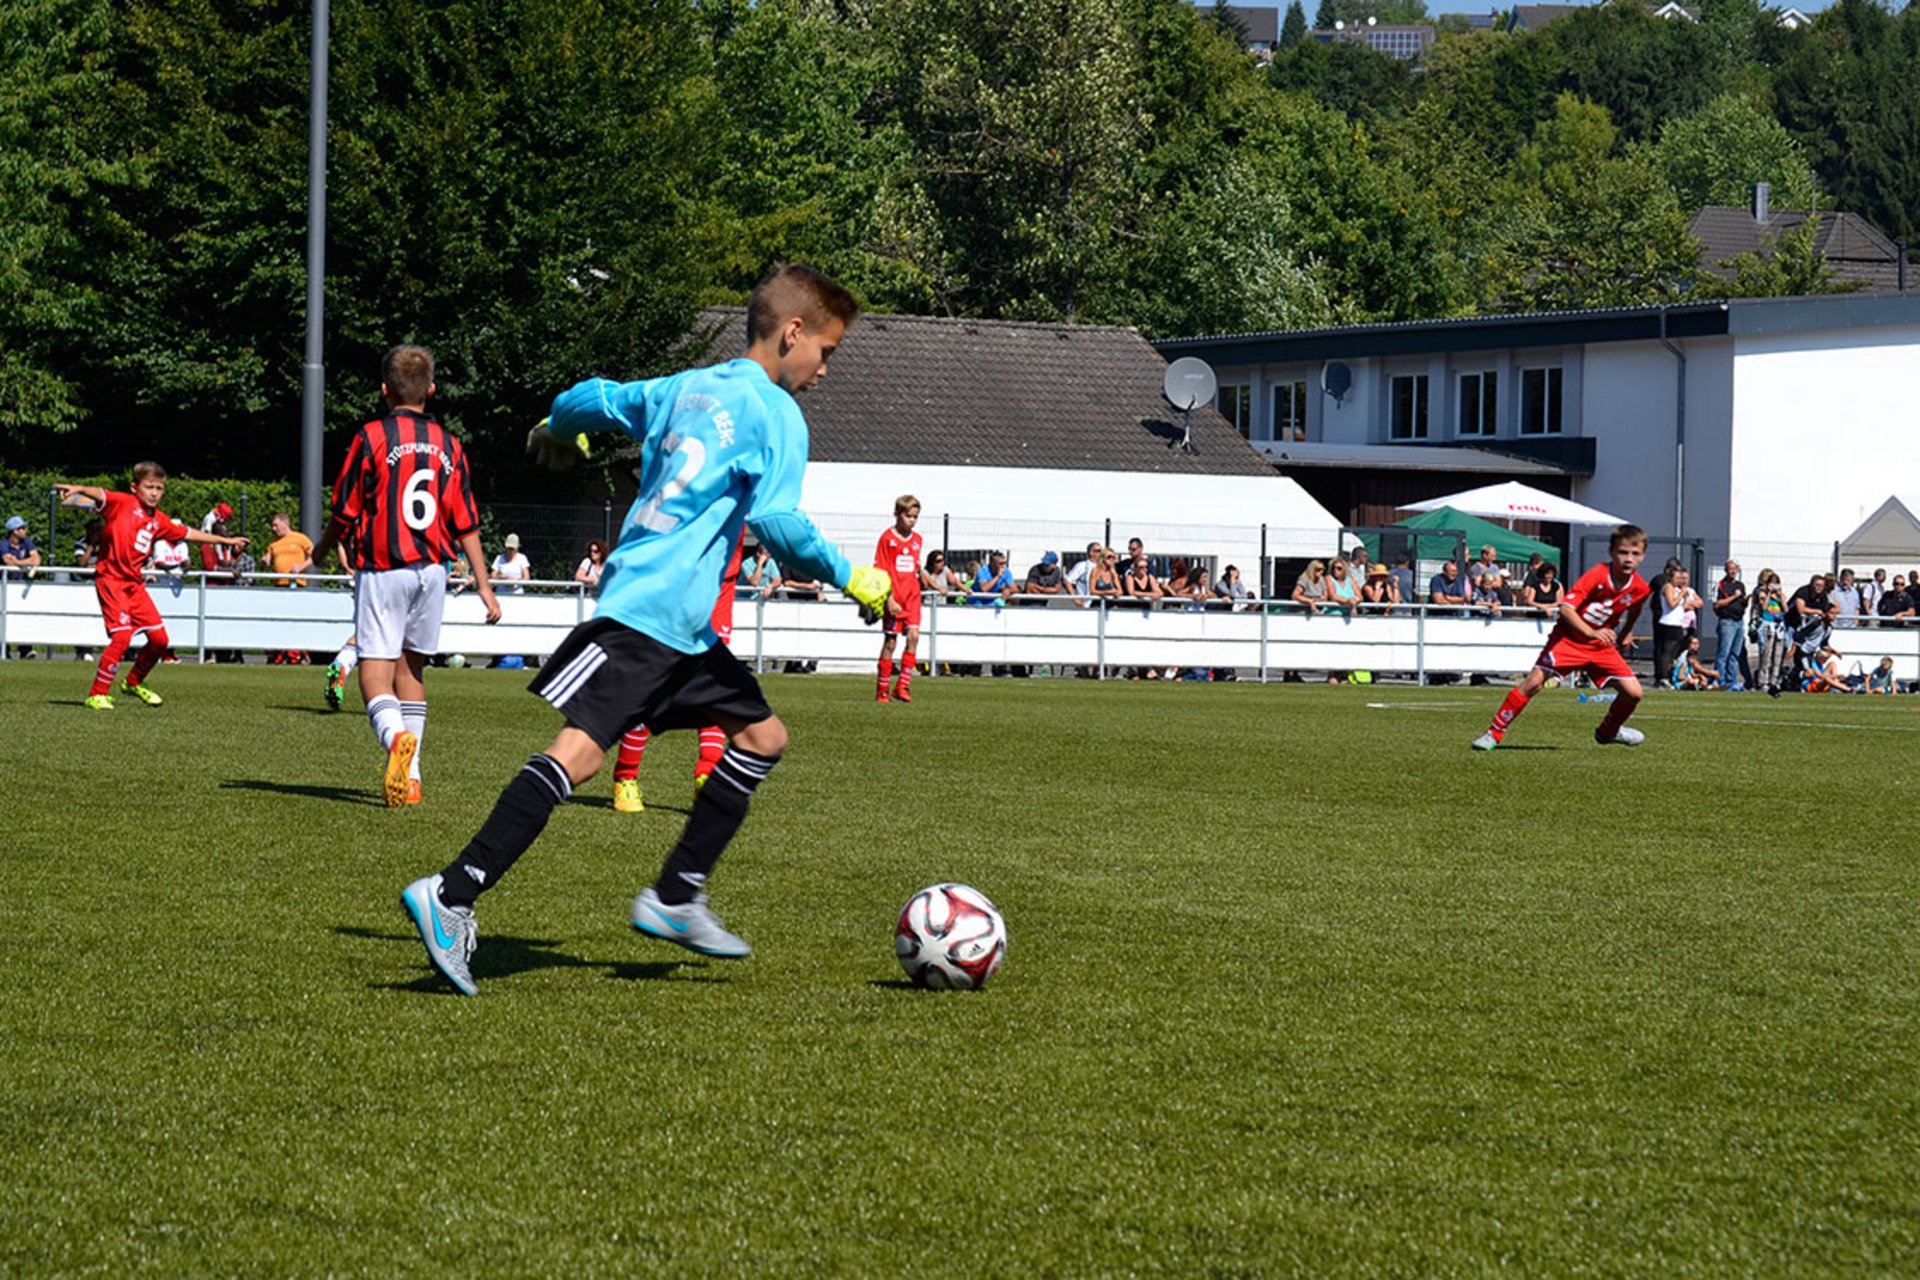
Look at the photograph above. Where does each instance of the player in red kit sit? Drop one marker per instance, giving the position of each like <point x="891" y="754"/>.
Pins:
<point x="713" y="739"/>
<point x="402" y="505"/>
<point x="129" y="524"/>
<point x="1597" y="615"/>
<point x="899" y="554"/>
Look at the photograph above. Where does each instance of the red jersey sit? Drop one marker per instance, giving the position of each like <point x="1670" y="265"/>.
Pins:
<point x="723" y="607"/>
<point x="128" y="528"/>
<point x="1600" y="601"/>
<point x="404" y="494"/>
<point x="900" y="557"/>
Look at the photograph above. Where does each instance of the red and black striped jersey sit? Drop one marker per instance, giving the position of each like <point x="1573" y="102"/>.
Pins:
<point x="404" y="494"/>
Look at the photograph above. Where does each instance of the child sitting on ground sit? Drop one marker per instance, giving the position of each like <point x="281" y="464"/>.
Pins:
<point x="1689" y="672"/>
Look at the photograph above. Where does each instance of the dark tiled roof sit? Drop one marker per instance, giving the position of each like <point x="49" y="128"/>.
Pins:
<point x="1261" y="26"/>
<point x="1854" y="250"/>
<point x="991" y="393"/>
<point x="1532" y="17"/>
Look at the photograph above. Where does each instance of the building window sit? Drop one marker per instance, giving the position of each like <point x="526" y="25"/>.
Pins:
<point x="1409" y="407"/>
<point x="1540" y="401"/>
<point x="1236" y="406"/>
<point x="1290" y="411"/>
<point x="1479" y="401"/>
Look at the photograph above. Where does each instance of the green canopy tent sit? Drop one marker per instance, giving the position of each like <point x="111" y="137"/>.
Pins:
<point x="1508" y="546"/>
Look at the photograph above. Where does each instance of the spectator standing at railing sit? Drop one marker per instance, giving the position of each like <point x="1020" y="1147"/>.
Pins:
<point x="588" y="572"/>
<point x="217" y="563"/>
<point x="21" y="558"/>
<point x="289" y="552"/>
<point x="511" y="569"/>
<point x="1358" y="565"/>
<point x="1542" y="590"/>
<point x="1403" y="579"/>
<point x="1342" y="594"/>
<point x="1076" y="577"/>
<point x="1103" y="583"/>
<point x="1045" y="578"/>
<point x="1531" y="579"/>
<point x="938" y="578"/>
<point x="1447" y="587"/>
<point x="1310" y="588"/>
<point x="218" y="513"/>
<point x="1236" y="593"/>
<point x="1846" y="602"/>
<point x="1680" y="607"/>
<point x="1380" y="592"/>
<point x="992" y="582"/>
<point x="898" y="555"/>
<point x="1769" y="615"/>
<point x="760" y="577"/>
<point x="1486" y="566"/>
<point x="1138" y="585"/>
<point x="1871" y="589"/>
<point x="1730" y="630"/>
<point x="1897" y="603"/>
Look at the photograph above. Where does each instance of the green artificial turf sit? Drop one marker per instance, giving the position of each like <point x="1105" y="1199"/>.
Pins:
<point x="1297" y="984"/>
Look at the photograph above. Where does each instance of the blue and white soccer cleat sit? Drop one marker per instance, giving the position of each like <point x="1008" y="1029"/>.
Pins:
<point x="449" y="933"/>
<point x="691" y="925"/>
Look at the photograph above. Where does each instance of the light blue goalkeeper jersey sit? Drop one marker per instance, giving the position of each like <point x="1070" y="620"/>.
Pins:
<point x="719" y="447"/>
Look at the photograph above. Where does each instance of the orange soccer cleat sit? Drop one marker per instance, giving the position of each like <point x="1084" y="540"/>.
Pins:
<point x="399" y="767"/>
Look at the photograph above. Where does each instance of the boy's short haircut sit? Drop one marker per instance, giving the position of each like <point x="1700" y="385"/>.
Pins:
<point x="904" y="503"/>
<point x="408" y="372"/>
<point x="1626" y="533"/>
<point x="797" y="290"/>
<point x="279" y="515"/>
<point x="148" y="471"/>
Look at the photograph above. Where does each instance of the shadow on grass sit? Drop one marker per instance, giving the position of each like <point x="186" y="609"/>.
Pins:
<point x="894" y="984"/>
<point x="307" y="710"/>
<point x="1524" y="746"/>
<point x="340" y="795"/>
<point x="502" y="955"/>
<point x="606" y="802"/>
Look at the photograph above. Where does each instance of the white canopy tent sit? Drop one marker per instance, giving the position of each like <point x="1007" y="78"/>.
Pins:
<point x="1027" y="512"/>
<point x="1512" y="500"/>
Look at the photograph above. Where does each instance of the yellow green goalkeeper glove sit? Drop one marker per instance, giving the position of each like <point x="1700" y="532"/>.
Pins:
<point x="869" y="588"/>
<point x="551" y="451"/>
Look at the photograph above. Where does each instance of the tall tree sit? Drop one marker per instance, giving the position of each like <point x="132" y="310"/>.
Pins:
<point x="1294" y="29"/>
<point x="1715" y="156"/>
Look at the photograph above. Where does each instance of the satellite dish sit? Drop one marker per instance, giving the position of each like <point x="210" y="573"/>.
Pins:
<point x="1336" y="379"/>
<point x="1189" y="383"/>
<point x="1371" y="20"/>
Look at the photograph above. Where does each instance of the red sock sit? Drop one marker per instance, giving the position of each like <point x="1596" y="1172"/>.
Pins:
<point x="117" y="642"/>
<point x="1509" y="711"/>
<point x="886" y="674"/>
<point x="906" y="670"/>
<point x="713" y="745"/>
<point x="150" y="656"/>
<point x="1616" y="716"/>
<point x="633" y="745"/>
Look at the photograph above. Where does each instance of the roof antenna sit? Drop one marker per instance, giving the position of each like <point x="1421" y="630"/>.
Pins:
<point x="1188" y="385"/>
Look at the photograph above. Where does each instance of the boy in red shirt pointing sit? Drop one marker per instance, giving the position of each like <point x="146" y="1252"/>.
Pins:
<point x="1597" y="615"/>
<point x="129" y="524"/>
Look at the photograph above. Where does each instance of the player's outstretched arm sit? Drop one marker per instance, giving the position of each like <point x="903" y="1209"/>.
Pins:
<point x="91" y="492"/>
<point x="796" y="542"/>
<point x="217" y="539"/>
<point x="477" y="564"/>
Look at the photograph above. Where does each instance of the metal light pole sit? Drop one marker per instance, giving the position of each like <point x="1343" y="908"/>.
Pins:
<point x="313" y="372"/>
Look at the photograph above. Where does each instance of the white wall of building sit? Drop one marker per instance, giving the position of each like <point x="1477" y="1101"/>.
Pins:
<point x="1627" y="404"/>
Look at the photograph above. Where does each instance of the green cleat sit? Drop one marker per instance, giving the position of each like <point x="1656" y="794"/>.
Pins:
<point x="99" y="702"/>
<point x="143" y="693"/>
<point x="336" y="684"/>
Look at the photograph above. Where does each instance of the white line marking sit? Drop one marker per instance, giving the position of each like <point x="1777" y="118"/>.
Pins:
<point x="1785" y="724"/>
<point x="1416" y="706"/>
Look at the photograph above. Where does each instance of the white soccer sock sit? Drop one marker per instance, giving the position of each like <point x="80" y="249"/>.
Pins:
<point x="414" y="715"/>
<point x="383" y="713"/>
<point x="348" y="658"/>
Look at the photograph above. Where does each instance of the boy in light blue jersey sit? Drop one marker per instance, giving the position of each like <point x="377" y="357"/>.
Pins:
<point x="720" y="448"/>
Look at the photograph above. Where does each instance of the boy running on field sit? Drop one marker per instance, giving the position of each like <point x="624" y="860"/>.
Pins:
<point x="713" y="739"/>
<point x="899" y="555"/>
<point x="403" y="502"/>
<point x="129" y="523"/>
<point x="721" y="448"/>
<point x="1597" y="615"/>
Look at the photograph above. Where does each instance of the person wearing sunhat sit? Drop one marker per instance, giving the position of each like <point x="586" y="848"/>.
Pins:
<point x="1380" y="593"/>
<point x="511" y="569"/>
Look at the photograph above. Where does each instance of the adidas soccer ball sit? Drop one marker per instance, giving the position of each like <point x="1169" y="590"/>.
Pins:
<point x="950" y="937"/>
<point x="456" y="660"/>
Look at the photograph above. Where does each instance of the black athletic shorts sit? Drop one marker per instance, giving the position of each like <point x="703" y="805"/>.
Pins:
<point x="605" y="678"/>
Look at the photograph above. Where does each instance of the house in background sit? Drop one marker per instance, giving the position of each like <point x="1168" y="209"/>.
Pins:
<point x="1407" y="41"/>
<point x="1856" y="253"/>
<point x="1767" y="427"/>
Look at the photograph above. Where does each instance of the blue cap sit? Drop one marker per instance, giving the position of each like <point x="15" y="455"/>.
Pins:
<point x="1052" y="557"/>
<point x="15" y="522"/>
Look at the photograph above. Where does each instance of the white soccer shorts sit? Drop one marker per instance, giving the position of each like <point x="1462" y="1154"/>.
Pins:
<point x="397" y="610"/>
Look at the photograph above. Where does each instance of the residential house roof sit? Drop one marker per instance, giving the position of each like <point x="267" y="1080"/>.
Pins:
<point x="995" y="393"/>
<point x="1854" y="250"/>
<point x="1261" y="26"/>
<point x="1532" y="17"/>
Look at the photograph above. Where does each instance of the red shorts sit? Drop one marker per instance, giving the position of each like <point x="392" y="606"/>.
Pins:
<point x="126" y="606"/>
<point x="909" y="616"/>
<point x="1602" y="662"/>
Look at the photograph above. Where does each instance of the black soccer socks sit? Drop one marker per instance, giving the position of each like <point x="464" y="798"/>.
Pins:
<point x="718" y="811"/>
<point x="517" y="820"/>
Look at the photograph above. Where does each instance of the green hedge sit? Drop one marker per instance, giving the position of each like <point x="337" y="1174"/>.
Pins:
<point x="29" y="494"/>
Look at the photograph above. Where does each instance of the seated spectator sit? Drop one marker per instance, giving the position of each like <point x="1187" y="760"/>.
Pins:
<point x="1138" y="585"/>
<point x="1381" y="592"/>
<point x="1235" y="593"/>
<point x="992" y="582"/>
<point x="1448" y="587"/>
<point x="760" y="576"/>
<point x="936" y="577"/>
<point x="1310" y="588"/>
<point x="1824" y="674"/>
<point x="1897" y="603"/>
<point x="1083" y="570"/>
<point x="1045" y="579"/>
<point x="1198" y="590"/>
<point x="1882" y="681"/>
<point x="1689" y="672"/>
<point x="1103" y="583"/>
<point x="1490" y="593"/>
<point x="797" y="586"/>
<point x="1343" y="593"/>
<point x="1678" y="609"/>
<point x="1544" y="590"/>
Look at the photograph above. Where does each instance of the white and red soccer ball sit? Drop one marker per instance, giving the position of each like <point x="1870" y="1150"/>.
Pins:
<point x="950" y="937"/>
